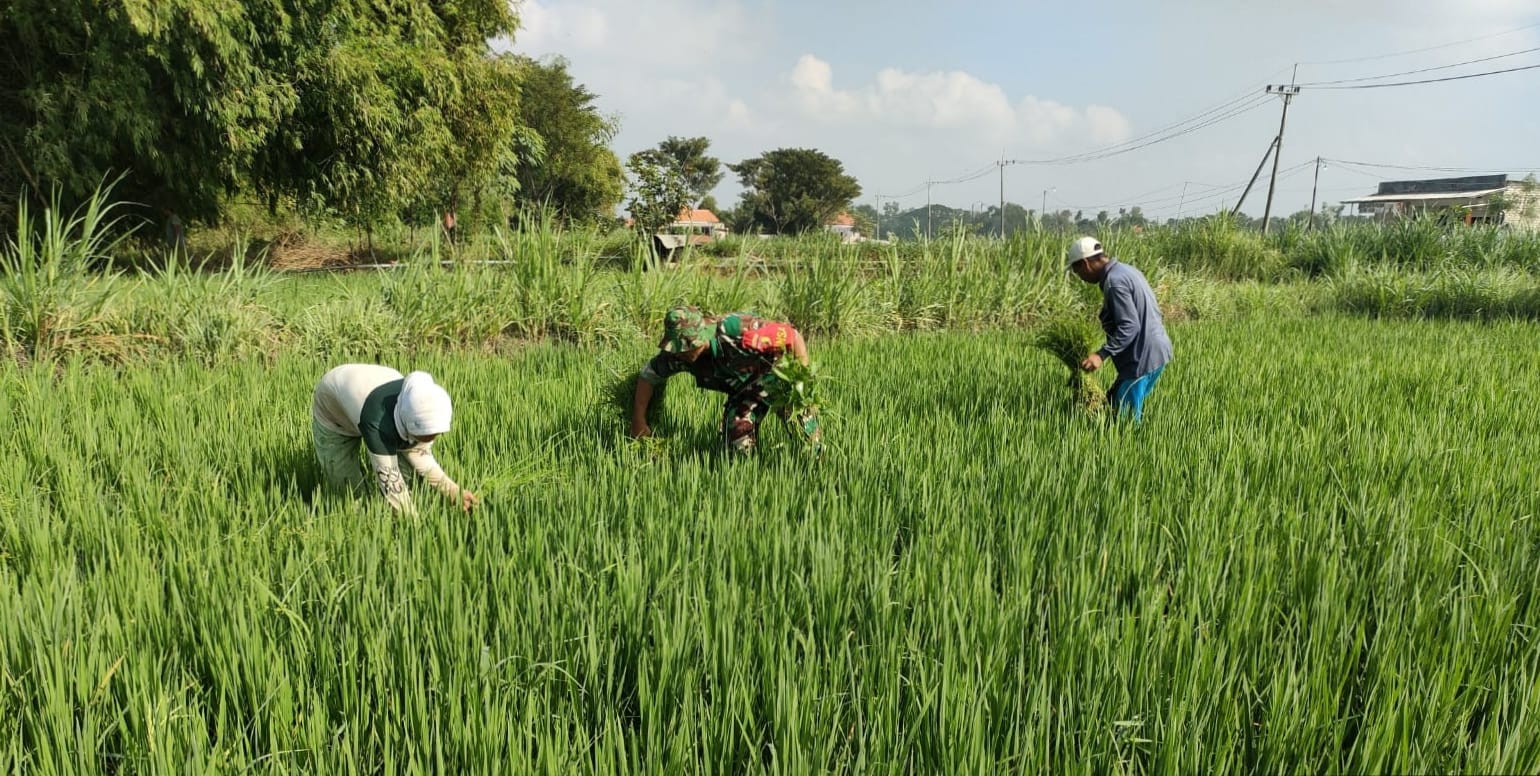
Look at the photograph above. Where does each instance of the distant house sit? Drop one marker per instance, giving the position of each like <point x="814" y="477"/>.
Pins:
<point x="700" y="225"/>
<point x="844" y="225"/>
<point x="1473" y="195"/>
<point x="692" y="227"/>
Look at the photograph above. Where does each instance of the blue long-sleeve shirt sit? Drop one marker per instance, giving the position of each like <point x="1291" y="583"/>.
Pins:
<point x="1136" y="335"/>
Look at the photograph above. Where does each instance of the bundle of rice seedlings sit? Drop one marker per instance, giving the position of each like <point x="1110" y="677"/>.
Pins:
<point x="1070" y="339"/>
<point x="793" y="388"/>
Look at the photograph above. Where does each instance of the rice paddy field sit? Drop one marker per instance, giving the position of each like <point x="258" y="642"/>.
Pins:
<point x="1317" y="554"/>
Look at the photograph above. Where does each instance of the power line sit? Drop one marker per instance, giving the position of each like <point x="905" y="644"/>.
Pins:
<point x="1214" y="193"/>
<point x="1431" y="80"/>
<point x="1422" y="70"/>
<point x="1242" y="103"/>
<point x="1227" y="104"/>
<point x="1142" y="199"/>
<point x="1417" y="168"/>
<point x="1226" y="192"/>
<point x="1422" y="50"/>
<point x="1119" y="150"/>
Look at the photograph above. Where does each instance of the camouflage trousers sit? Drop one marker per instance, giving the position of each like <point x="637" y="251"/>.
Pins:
<point x="744" y="410"/>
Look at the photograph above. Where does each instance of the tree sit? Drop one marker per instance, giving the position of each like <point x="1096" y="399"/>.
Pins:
<point x="794" y="190"/>
<point x="866" y="218"/>
<point x="346" y="106"/>
<point x="687" y="156"/>
<point x="401" y="106"/>
<point x="1131" y="217"/>
<point x="659" y="193"/>
<point x="575" y="172"/>
<point x="173" y="94"/>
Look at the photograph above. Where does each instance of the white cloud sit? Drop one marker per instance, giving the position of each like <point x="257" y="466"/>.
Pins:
<point x="1107" y="126"/>
<point x="738" y="115"/>
<point x="670" y="36"/>
<point x="559" y="29"/>
<point x="951" y="100"/>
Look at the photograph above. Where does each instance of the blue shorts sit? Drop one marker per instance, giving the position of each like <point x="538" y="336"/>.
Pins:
<point x="1128" y="396"/>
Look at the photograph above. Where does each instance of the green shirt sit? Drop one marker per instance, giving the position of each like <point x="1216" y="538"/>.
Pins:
<point x="377" y="422"/>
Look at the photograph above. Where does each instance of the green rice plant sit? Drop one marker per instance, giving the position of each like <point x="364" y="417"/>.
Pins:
<point x="974" y="585"/>
<point x="620" y="396"/>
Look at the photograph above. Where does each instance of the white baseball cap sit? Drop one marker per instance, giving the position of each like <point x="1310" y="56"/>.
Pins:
<point x="1082" y="249"/>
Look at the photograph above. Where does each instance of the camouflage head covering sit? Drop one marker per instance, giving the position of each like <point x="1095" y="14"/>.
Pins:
<point x="684" y="329"/>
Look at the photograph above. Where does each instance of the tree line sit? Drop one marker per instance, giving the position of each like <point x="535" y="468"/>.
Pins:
<point x="351" y="110"/>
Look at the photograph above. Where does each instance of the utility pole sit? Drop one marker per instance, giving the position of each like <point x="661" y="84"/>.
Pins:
<point x="1287" y="91"/>
<point x="1002" y="195"/>
<point x="927" y="210"/>
<point x="1183" y="203"/>
<point x="1313" y="189"/>
<point x="1270" y="146"/>
<point x="878" y="226"/>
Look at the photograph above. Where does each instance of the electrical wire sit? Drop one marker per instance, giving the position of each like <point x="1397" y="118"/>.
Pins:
<point x="1119" y="150"/>
<point x="1421" y="70"/>
<point x="1428" y="80"/>
<point x="1416" y="168"/>
<point x="1394" y="54"/>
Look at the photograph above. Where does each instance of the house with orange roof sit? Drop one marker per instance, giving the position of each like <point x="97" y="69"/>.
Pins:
<point x="844" y="225"/>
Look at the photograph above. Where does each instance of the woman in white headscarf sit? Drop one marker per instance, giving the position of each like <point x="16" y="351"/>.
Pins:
<point x="395" y="418"/>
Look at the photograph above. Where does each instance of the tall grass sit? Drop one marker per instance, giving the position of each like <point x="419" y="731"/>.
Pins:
<point x="548" y="281"/>
<point x="54" y="302"/>
<point x="1447" y="293"/>
<point x="210" y="316"/>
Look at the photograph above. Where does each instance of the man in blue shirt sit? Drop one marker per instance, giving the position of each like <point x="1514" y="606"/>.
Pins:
<point x="1136" y="336"/>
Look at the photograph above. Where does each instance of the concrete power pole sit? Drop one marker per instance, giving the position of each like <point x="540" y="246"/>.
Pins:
<point x="927" y="210"/>
<point x="1314" y="187"/>
<point x="1002" y="195"/>
<point x="1288" y="91"/>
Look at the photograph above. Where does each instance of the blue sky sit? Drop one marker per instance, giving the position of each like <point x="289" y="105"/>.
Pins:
<point x="904" y="92"/>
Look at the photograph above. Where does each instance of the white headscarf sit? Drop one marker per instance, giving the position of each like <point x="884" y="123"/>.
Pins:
<point x="423" y="407"/>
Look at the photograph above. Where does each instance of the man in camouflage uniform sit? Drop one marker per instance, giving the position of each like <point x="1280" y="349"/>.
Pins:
<point x="733" y="354"/>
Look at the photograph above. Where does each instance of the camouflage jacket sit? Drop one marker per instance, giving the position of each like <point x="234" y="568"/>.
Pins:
<point x="743" y="350"/>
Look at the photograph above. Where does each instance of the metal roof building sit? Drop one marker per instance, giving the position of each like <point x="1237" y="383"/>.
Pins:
<point x="1474" y="195"/>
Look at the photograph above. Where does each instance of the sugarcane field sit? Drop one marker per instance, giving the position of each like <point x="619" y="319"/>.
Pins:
<point x="379" y="401"/>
